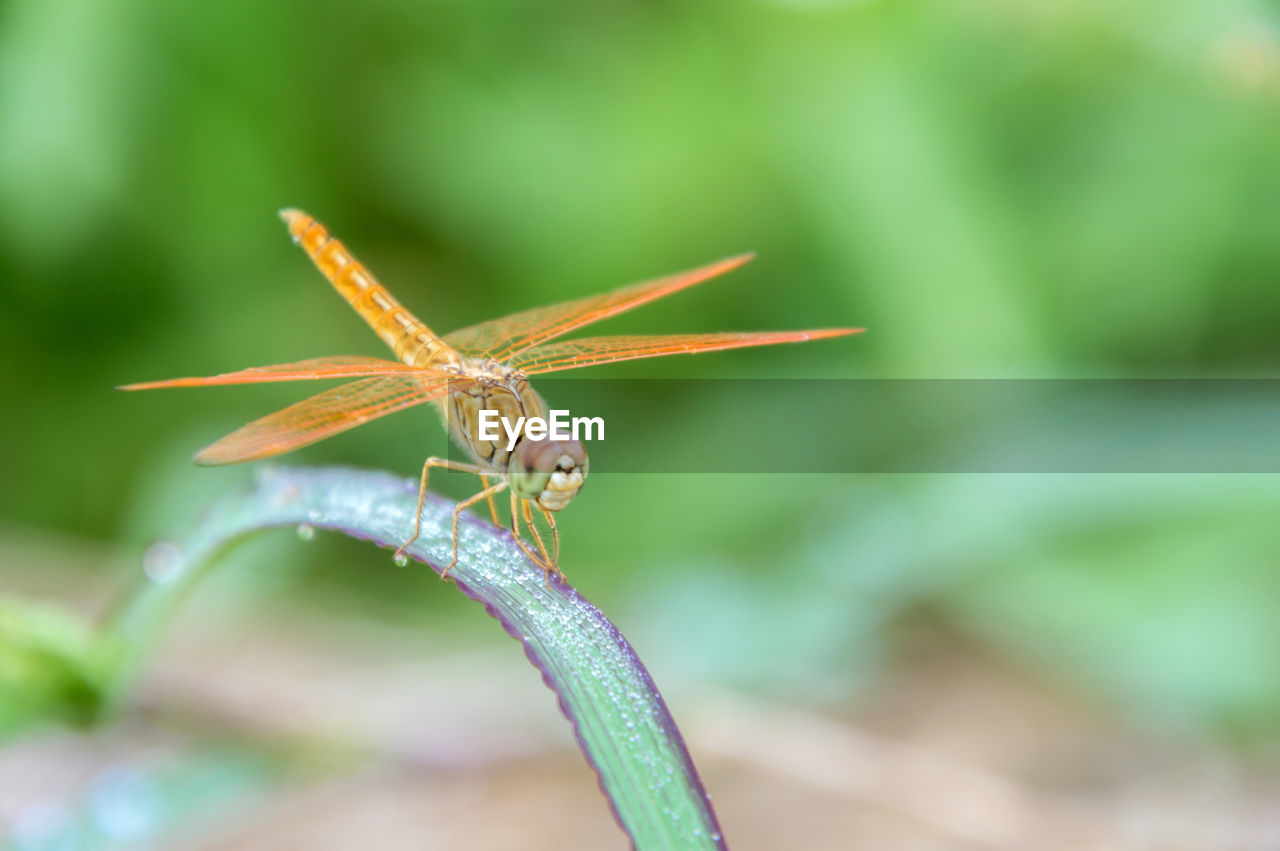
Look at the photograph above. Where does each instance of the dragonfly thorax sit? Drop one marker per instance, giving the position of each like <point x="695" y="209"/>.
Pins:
<point x="548" y="472"/>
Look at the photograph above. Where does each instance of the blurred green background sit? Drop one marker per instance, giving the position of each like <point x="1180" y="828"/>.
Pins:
<point x="1000" y="189"/>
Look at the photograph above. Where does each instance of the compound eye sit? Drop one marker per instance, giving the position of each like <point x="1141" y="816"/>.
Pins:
<point x="537" y="455"/>
<point x="531" y="466"/>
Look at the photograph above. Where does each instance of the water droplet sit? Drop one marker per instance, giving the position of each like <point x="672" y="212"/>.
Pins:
<point x="163" y="562"/>
<point x="306" y="532"/>
<point x="401" y="559"/>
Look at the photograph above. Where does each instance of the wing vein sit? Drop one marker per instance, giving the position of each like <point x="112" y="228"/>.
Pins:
<point x="507" y="336"/>
<point x="591" y="351"/>
<point x="323" y="415"/>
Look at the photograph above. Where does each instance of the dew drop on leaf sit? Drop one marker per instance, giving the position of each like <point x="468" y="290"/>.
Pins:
<point x="306" y="532"/>
<point x="163" y="562"/>
<point x="401" y="559"/>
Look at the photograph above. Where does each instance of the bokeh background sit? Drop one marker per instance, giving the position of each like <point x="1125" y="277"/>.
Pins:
<point x="1009" y="188"/>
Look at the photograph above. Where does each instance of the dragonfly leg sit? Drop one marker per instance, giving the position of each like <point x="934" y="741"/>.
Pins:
<point x="537" y="536"/>
<point x="487" y="493"/>
<point x="555" y="538"/>
<point x="422" y="494"/>
<point x="515" y="533"/>
<point x="493" y="509"/>
<point x="549" y="564"/>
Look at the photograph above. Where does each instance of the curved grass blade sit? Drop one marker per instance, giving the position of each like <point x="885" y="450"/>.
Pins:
<point x="619" y="718"/>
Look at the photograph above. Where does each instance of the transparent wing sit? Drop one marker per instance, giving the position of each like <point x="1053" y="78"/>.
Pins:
<point x="336" y="367"/>
<point x="323" y="415"/>
<point x="572" y="354"/>
<point x="509" y="335"/>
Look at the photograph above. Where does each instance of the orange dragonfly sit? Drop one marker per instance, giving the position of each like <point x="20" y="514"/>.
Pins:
<point x="479" y="368"/>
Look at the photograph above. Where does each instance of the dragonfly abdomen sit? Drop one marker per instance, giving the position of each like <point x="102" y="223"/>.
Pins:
<point x="412" y="341"/>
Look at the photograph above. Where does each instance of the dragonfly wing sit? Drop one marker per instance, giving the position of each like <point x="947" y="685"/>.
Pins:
<point x="336" y="367"/>
<point x="323" y="415"/>
<point x="509" y="335"/>
<point x="572" y="354"/>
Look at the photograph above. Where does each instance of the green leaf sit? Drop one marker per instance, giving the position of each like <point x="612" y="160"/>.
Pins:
<point x="619" y="718"/>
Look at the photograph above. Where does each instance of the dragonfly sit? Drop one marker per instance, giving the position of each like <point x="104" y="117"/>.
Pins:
<point x="480" y="368"/>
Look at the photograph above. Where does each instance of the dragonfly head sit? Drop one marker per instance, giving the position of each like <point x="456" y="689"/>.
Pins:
<point x="549" y="472"/>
